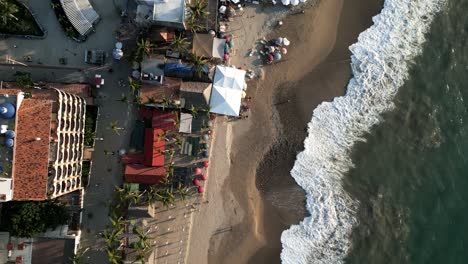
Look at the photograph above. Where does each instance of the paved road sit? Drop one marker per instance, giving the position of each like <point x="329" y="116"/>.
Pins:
<point x="106" y="171"/>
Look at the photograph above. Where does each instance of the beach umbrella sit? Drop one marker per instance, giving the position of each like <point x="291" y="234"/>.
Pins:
<point x="285" y="2"/>
<point x="222" y="28"/>
<point x="206" y="145"/>
<point x="286" y="42"/>
<point x="278" y="41"/>
<point x="206" y="137"/>
<point x="200" y="189"/>
<point x="222" y="9"/>
<point x="277" y="56"/>
<point x="284" y="51"/>
<point x="210" y="132"/>
<point x="198" y="171"/>
<point x="196" y="182"/>
<point x="206" y="164"/>
<point x="226" y="57"/>
<point x="118" y="45"/>
<point x="203" y="176"/>
<point x="205" y="154"/>
<point x="294" y="2"/>
<point x="210" y="123"/>
<point x="271" y="49"/>
<point x="9" y="142"/>
<point x="7" y="110"/>
<point x="117" y="54"/>
<point x="227" y="38"/>
<point x="270" y="58"/>
<point x="10" y="134"/>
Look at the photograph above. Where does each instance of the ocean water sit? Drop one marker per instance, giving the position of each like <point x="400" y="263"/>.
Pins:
<point x="377" y="161"/>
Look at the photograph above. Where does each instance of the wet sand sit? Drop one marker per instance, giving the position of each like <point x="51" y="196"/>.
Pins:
<point x="254" y="198"/>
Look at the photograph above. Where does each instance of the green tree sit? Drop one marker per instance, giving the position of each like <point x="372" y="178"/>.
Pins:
<point x="194" y="24"/>
<point x="143" y="49"/>
<point x="180" y="44"/>
<point x="198" y="62"/>
<point x="198" y="9"/>
<point x="134" y="85"/>
<point x="78" y="258"/>
<point x="27" y="219"/>
<point x="24" y="79"/>
<point x="8" y="12"/>
<point x="114" y="256"/>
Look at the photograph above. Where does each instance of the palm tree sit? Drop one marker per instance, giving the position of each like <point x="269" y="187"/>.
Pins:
<point x="114" y="125"/>
<point x="151" y="100"/>
<point x="198" y="62"/>
<point x="126" y="196"/>
<point x="7" y="12"/>
<point x="165" y="102"/>
<point x="78" y="257"/>
<point x="114" y="256"/>
<point x="134" y="85"/>
<point x="123" y="99"/>
<point x="198" y="9"/>
<point x="183" y="192"/>
<point x="117" y="221"/>
<point x="179" y="44"/>
<point x="193" y="111"/>
<point x="143" y="49"/>
<point x="152" y="194"/>
<point x="194" y="24"/>
<point x="112" y="237"/>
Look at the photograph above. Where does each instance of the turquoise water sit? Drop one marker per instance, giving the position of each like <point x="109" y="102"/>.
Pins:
<point x="411" y="175"/>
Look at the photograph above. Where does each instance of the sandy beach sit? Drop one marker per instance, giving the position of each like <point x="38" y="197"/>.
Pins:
<point x="251" y="197"/>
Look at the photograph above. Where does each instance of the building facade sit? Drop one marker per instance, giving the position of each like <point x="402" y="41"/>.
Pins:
<point x="43" y="159"/>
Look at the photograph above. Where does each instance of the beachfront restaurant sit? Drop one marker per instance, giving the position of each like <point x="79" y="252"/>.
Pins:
<point x="227" y="91"/>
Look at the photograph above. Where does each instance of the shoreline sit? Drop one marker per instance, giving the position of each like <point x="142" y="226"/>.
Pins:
<point x="254" y="196"/>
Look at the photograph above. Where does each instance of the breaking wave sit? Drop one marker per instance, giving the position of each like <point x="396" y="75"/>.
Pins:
<point x="380" y="62"/>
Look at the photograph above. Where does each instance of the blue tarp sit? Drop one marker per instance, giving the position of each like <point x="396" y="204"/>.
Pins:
<point x="179" y="70"/>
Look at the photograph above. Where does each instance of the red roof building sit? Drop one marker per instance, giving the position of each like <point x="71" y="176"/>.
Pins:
<point x="46" y="157"/>
<point x="154" y="147"/>
<point x="136" y="173"/>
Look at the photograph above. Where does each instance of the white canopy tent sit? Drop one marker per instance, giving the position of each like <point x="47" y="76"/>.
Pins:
<point x="226" y="95"/>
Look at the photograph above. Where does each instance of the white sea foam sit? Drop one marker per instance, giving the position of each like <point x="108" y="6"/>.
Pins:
<point x="380" y="63"/>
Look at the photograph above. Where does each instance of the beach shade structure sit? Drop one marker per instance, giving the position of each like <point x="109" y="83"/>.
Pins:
<point x="9" y="142"/>
<point x="206" y="137"/>
<point x="294" y="2"/>
<point x="286" y="42"/>
<point x="205" y="154"/>
<point x="226" y="95"/>
<point x="204" y="176"/>
<point x="286" y="2"/>
<point x="200" y="189"/>
<point x="7" y="110"/>
<point x="206" y="164"/>
<point x="10" y="134"/>
<point x="284" y="51"/>
<point x="198" y="171"/>
<point x="196" y="182"/>
<point x="277" y="56"/>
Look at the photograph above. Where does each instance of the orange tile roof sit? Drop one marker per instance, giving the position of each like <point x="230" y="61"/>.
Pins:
<point x="31" y="157"/>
